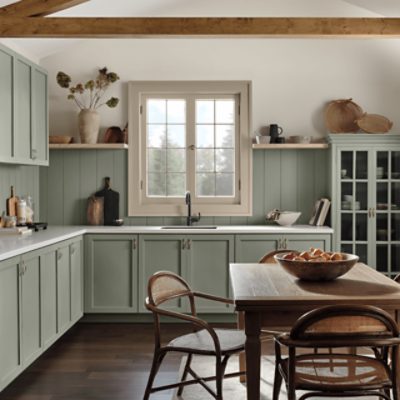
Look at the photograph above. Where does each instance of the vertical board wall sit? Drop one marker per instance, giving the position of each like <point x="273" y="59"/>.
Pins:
<point x="284" y="179"/>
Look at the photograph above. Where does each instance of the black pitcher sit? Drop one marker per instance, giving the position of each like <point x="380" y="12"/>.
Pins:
<point x="274" y="132"/>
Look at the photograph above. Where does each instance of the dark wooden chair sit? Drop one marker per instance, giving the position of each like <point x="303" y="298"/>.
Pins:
<point x="338" y="374"/>
<point x="204" y="340"/>
<point x="397" y="278"/>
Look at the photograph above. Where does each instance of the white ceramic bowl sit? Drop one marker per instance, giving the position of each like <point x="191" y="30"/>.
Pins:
<point x="260" y="139"/>
<point x="288" y="217"/>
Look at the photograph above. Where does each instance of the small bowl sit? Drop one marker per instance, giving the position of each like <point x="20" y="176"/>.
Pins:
<point x="317" y="271"/>
<point x="261" y="139"/>
<point x="287" y="218"/>
<point x="299" y="139"/>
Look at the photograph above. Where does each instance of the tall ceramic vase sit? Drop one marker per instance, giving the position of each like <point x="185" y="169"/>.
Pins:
<point x="89" y="124"/>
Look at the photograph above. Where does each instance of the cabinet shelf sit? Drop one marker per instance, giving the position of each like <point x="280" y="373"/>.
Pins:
<point x="290" y="146"/>
<point x="84" y="146"/>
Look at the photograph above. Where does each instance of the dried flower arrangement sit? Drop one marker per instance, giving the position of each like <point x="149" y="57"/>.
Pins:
<point x="96" y="88"/>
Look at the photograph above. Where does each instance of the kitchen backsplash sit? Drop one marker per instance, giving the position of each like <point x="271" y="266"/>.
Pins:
<point x="25" y="180"/>
<point x="284" y="179"/>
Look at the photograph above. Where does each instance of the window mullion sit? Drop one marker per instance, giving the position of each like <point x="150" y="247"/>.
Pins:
<point x="191" y="141"/>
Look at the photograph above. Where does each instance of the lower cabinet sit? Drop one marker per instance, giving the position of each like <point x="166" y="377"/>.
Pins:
<point x="40" y="298"/>
<point x="250" y="248"/>
<point x="111" y="273"/>
<point x="202" y="260"/>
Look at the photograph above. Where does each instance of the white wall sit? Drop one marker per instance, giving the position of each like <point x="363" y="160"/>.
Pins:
<point x="293" y="79"/>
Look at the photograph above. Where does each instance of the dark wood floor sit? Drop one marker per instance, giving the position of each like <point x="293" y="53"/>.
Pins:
<point x="97" y="361"/>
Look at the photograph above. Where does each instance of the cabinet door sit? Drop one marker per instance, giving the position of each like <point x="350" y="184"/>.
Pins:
<point x="304" y="242"/>
<point x="22" y="111"/>
<point x="10" y="363"/>
<point x="160" y="253"/>
<point x="208" y="268"/>
<point x="63" y="290"/>
<point x="48" y="297"/>
<point x="250" y="248"/>
<point x="39" y="151"/>
<point x="111" y="274"/>
<point x="6" y="106"/>
<point x="30" y="309"/>
<point x="76" y="280"/>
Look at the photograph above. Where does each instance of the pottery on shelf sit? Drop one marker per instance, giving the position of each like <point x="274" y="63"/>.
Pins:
<point x="89" y="124"/>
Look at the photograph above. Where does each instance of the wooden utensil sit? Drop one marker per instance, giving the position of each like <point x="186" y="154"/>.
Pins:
<point x="111" y="203"/>
<point x="340" y="116"/>
<point x="95" y="210"/>
<point x="11" y="205"/>
<point x="374" y="123"/>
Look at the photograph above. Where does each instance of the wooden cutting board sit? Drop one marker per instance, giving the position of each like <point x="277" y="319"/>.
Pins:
<point x="111" y="203"/>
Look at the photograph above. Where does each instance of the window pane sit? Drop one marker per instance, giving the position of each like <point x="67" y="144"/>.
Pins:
<point x="205" y="136"/>
<point x="224" y="160"/>
<point x="205" y="111"/>
<point x="156" y="136"/>
<point x="205" y="160"/>
<point x="224" y="184"/>
<point x="156" y="160"/>
<point x="176" y="185"/>
<point x="156" y="184"/>
<point x="224" y="111"/>
<point x="224" y="136"/>
<point x="176" y="136"/>
<point x="205" y="184"/>
<point x="176" y="161"/>
<point x="156" y="111"/>
<point x="176" y="111"/>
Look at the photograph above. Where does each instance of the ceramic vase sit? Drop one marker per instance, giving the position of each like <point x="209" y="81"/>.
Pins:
<point x="89" y="124"/>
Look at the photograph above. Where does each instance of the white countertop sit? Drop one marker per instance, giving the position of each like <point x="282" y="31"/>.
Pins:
<point x="11" y="246"/>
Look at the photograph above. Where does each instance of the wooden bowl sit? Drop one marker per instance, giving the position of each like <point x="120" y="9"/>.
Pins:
<point x="317" y="271"/>
<point x="58" y="139"/>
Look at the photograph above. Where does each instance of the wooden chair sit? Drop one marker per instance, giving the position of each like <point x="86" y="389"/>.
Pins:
<point x="337" y="374"/>
<point x="204" y="340"/>
<point x="397" y="278"/>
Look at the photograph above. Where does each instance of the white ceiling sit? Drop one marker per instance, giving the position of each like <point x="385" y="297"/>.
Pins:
<point x="40" y="48"/>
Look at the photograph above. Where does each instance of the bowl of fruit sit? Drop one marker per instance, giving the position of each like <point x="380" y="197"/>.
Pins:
<point x="316" y="264"/>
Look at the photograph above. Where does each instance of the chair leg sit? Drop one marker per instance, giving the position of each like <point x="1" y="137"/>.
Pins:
<point x="277" y="384"/>
<point x="185" y="372"/>
<point x="157" y="360"/>
<point x="220" y="372"/>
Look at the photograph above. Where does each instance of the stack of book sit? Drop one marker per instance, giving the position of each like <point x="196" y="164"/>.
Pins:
<point x="19" y="230"/>
<point x="320" y="213"/>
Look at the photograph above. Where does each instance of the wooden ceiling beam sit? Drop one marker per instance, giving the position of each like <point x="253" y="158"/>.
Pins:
<point x="37" y="8"/>
<point x="198" y="27"/>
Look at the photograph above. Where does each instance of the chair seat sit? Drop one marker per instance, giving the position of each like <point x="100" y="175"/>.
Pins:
<point x="334" y="372"/>
<point x="231" y="340"/>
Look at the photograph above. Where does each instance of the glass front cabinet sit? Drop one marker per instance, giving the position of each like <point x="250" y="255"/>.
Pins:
<point x="365" y="215"/>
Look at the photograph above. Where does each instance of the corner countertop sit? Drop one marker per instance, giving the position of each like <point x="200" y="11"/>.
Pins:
<point x="15" y="245"/>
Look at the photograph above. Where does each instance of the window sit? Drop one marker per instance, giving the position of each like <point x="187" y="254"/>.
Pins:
<point x="189" y="136"/>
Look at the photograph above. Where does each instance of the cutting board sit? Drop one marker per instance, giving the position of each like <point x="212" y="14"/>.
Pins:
<point x="111" y="203"/>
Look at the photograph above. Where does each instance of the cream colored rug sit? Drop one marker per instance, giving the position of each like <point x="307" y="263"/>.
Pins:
<point x="233" y="389"/>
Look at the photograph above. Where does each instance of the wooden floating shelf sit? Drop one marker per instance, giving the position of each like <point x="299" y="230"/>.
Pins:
<point x="288" y="146"/>
<point x="84" y="146"/>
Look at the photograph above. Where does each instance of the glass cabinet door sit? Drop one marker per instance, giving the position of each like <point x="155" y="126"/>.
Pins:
<point x="387" y="212"/>
<point x="354" y="207"/>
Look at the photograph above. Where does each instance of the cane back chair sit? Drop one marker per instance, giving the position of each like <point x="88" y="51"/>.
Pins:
<point x="204" y="340"/>
<point x="339" y="374"/>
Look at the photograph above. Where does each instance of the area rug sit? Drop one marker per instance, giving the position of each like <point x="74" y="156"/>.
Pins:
<point x="232" y="388"/>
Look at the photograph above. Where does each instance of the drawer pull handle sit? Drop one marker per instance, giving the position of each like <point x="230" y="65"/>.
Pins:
<point x="134" y="244"/>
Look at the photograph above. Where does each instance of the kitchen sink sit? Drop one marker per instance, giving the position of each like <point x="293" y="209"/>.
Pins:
<point x="189" y="227"/>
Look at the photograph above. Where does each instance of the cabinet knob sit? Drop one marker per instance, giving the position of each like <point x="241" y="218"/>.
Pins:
<point x="279" y="244"/>
<point x="183" y="244"/>
<point x="134" y="244"/>
<point x="285" y="244"/>
<point x="72" y="249"/>
<point x="189" y="244"/>
<point x="59" y="255"/>
<point x="33" y="154"/>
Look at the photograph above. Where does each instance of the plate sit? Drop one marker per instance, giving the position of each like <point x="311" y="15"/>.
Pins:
<point x="340" y="116"/>
<point x="374" y="123"/>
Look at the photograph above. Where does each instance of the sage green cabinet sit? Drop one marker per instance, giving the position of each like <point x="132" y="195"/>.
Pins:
<point x="48" y="295"/>
<point x="63" y="289"/>
<point x="23" y="110"/>
<point x="250" y="248"/>
<point x="6" y="105"/>
<point x="30" y="307"/>
<point x="10" y="361"/>
<point x="76" y="271"/>
<point x="111" y="273"/>
<point x="365" y="177"/>
<point x="202" y="260"/>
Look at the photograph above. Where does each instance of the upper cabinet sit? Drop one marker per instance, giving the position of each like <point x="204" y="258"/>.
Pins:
<point x="23" y="110"/>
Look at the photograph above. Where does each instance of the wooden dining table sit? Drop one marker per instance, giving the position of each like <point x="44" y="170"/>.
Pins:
<point x="269" y="297"/>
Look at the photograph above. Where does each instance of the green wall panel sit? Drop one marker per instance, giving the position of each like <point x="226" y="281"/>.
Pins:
<point x="284" y="179"/>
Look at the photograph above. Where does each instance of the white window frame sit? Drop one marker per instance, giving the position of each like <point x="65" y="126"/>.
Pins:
<point x="141" y="205"/>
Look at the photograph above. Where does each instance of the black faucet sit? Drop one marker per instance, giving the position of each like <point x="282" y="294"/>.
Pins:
<point x="190" y="219"/>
